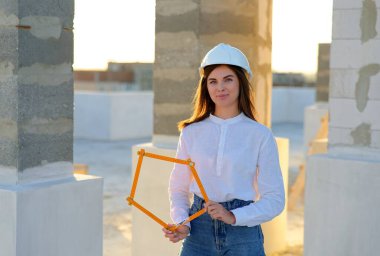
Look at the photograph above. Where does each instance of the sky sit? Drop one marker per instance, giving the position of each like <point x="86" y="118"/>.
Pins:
<point x="123" y="31"/>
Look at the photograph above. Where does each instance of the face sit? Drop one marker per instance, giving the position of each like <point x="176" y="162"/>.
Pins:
<point x="223" y="88"/>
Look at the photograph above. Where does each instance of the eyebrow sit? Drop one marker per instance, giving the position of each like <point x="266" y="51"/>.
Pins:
<point x="211" y="78"/>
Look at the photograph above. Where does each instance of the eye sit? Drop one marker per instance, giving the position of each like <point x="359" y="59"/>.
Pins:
<point x="228" y="80"/>
<point x="211" y="82"/>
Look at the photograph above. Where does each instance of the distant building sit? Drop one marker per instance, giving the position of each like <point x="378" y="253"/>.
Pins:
<point x="292" y="80"/>
<point x="142" y="72"/>
<point x="117" y="77"/>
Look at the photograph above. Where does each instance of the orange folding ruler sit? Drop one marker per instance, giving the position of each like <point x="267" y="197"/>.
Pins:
<point x="187" y="162"/>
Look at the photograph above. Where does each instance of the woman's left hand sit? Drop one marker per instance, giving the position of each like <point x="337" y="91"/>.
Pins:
<point x="217" y="211"/>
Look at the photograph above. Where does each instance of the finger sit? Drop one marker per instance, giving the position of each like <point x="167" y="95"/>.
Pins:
<point x="170" y="236"/>
<point x="176" y="238"/>
<point x="166" y="231"/>
<point x="209" y="203"/>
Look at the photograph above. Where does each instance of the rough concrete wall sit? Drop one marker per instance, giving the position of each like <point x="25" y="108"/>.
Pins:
<point x="355" y="75"/>
<point x="185" y="31"/>
<point x="176" y="56"/>
<point x="36" y="84"/>
<point x="323" y="74"/>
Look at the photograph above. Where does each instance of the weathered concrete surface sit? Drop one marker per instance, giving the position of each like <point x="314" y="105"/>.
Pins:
<point x="54" y="218"/>
<point x="323" y="73"/>
<point x="342" y="186"/>
<point x="36" y="85"/>
<point x="341" y="213"/>
<point x="45" y="209"/>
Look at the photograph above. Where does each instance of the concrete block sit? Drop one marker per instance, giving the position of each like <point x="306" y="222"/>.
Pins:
<point x="288" y="104"/>
<point x="91" y="115"/>
<point x="240" y="7"/>
<point x="52" y="218"/>
<point x="49" y="51"/>
<point x="175" y="7"/>
<point x="275" y="230"/>
<point x="226" y="21"/>
<point x="63" y="9"/>
<point x="164" y="109"/>
<point x="312" y="122"/>
<point x="39" y="149"/>
<point x="8" y="40"/>
<point x="341" y="209"/>
<point x="137" y="125"/>
<point x="263" y="22"/>
<point x="318" y="146"/>
<point x="343" y="83"/>
<point x="9" y="153"/>
<point x="8" y="222"/>
<point x="152" y="192"/>
<point x="9" y="6"/>
<point x="172" y="91"/>
<point x="176" y="50"/>
<point x="375" y="139"/>
<point x="8" y="72"/>
<point x="8" y="19"/>
<point x="280" y="105"/>
<point x="113" y="116"/>
<point x="167" y="124"/>
<point x="37" y="101"/>
<point x="8" y="99"/>
<point x="340" y="137"/>
<point x="298" y="99"/>
<point x="187" y="21"/>
<point x="352" y="54"/>
<point x="351" y="4"/>
<point x="340" y="107"/>
<point x="347" y="24"/>
<point x="175" y="73"/>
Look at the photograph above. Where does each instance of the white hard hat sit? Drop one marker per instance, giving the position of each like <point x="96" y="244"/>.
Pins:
<point x="225" y="54"/>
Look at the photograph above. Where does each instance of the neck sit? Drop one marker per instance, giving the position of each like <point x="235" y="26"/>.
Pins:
<point x="226" y="113"/>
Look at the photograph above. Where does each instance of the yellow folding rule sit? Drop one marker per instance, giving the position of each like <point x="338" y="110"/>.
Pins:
<point x="187" y="162"/>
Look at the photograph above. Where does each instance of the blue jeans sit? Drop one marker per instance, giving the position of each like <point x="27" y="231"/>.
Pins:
<point x="210" y="237"/>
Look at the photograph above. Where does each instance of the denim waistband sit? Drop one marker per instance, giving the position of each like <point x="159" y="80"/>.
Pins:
<point x="229" y="205"/>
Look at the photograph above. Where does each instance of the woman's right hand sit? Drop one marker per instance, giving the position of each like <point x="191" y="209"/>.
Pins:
<point x="180" y="233"/>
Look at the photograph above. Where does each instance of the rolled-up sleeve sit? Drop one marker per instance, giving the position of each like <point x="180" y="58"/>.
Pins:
<point x="179" y="183"/>
<point x="270" y="185"/>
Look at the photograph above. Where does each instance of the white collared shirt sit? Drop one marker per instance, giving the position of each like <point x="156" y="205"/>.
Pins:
<point x="226" y="154"/>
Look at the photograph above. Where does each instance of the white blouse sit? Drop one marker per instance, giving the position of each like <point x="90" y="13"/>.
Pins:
<point x="226" y="154"/>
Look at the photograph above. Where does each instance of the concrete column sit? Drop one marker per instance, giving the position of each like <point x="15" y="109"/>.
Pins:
<point x="185" y="31"/>
<point x="342" y="186"/>
<point x="323" y="74"/>
<point x="50" y="211"/>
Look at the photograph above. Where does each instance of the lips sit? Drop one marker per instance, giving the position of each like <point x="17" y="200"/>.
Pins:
<point x="222" y="96"/>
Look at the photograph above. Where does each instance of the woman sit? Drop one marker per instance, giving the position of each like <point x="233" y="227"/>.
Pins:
<point x="236" y="159"/>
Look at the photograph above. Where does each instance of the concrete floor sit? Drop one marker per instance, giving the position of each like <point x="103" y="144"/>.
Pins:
<point x="112" y="161"/>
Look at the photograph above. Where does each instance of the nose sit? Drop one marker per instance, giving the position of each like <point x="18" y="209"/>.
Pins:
<point x="220" y="86"/>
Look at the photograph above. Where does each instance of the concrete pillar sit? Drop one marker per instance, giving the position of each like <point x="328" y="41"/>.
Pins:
<point x="45" y="209"/>
<point x="323" y="74"/>
<point x="341" y="201"/>
<point x="185" y="31"/>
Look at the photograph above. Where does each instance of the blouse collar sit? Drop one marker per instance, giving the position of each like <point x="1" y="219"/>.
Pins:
<point x="231" y="120"/>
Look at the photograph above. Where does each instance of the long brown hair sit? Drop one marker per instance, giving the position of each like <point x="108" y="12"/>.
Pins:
<point x="203" y="104"/>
